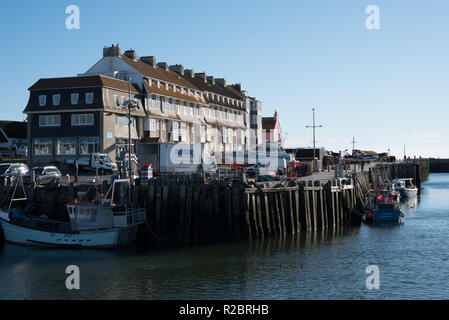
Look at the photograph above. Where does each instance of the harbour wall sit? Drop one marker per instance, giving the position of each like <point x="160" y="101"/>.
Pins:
<point x="186" y="210"/>
<point x="439" y="165"/>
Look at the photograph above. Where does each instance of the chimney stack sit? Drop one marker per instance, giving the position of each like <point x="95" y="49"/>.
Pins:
<point x="221" y="82"/>
<point x="237" y="87"/>
<point x="150" y="60"/>
<point x="163" y="65"/>
<point x="202" y="76"/>
<point x="179" y="68"/>
<point x="131" y="54"/>
<point x="211" y="79"/>
<point x="111" y="51"/>
<point x="189" y="72"/>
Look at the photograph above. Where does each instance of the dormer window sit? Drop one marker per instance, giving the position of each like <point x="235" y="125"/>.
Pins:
<point x="89" y="97"/>
<point x="56" y="99"/>
<point x="74" y="98"/>
<point x="166" y="86"/>
<point x="42" y="100"/>
<point x="149" y="82"/>
<point x="158" y="84"/>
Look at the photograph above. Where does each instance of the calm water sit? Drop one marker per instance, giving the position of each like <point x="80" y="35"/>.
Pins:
<point x="413" y="260"/>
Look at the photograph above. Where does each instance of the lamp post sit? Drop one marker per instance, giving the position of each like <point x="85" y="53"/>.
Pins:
<point x="129" y="104"/>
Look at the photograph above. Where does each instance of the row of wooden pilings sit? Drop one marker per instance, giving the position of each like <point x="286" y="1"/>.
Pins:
<point x="183" y="213"/>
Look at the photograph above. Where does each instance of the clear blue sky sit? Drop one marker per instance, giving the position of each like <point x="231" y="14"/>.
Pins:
<point x="388" y="87"/>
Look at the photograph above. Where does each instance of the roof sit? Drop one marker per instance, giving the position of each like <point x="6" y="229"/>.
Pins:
<point x="14" y="129"/>
<point x="217" y="89"/>
<point x="157" y="72"/>
<point x="268" y="123"/>
<point x="82" y="82"/>
<point x="170" y="92"/>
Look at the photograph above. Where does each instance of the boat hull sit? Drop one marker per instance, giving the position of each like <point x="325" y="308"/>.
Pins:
<point x="386" y="214"/>
<point x="408" y="193"/>
<point x="112" y="238"/>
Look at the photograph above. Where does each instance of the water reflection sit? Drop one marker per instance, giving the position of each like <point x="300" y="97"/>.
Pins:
<point x="322" y="264"/>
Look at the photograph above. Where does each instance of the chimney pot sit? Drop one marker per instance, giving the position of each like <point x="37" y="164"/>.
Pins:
<point x="211" y="79"/>
<point x="221" y="82"/>
<point x="111" y="51"/>
<point x="163" y="65"/>
<point x="237" y="87"/>
<point x="179" y="68"/>
<point x="189" y="72"/>
<point x="150" y="60"/>
<point x="131" y="54"/>
<point x="201" y="75"/>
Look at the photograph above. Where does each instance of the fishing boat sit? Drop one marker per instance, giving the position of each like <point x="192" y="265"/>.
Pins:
<point x="106" y="222"/>
<point x="406" y="187"/>
<point x="382" y="206"/>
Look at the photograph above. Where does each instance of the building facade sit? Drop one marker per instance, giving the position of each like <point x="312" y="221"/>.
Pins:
<point x="272" y="129"/>
<point x="77" y="116"/>
<point x="176" y="106"/>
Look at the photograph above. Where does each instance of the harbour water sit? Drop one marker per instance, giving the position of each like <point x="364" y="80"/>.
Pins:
<point x="413" y="260"/>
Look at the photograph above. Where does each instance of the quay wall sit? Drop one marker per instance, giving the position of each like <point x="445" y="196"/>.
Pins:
<point x="439" y="165"/>
<point x="186" y="210"/>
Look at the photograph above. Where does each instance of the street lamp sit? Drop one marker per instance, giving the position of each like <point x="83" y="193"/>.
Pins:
<point x="130" y="104"/>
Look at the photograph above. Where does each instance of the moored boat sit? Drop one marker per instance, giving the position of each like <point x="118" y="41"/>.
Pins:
<point x="382" y="206"/>
<point x="103" y="223"/>
<point x="406" y="187"/>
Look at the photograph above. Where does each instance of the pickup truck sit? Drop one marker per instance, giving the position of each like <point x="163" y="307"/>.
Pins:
<point x="94" y="161"/>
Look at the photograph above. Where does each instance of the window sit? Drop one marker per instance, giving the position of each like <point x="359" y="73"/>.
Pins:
<point x="173" y="105"/>
<point x="154" y="104"/>
<point x="149" y="104"/>
<point x="89" y="145"/>
<point x="152" y="126"/>
<point x="42" y="147"/>
<point x="56" y="99"/>
<point x="122" y="99"/>
<point x="83" y="119"/>
<point x="42" y="100"/>
<point x="89" y="97"/>
<point x="74" y="98"/>
<point x="65" y="146"/>
<point x="53" y="120"/>
<point x="116" y="100"/>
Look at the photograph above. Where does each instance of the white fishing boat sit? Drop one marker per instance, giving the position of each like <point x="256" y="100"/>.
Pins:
<point x="406" y="187"/>
<point x="103" y="223"/>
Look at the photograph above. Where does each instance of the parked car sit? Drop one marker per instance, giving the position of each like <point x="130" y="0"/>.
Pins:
<point x="13" y="169"/>
<point x="44" y="175"/>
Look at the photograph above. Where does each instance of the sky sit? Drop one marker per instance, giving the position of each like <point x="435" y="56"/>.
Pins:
<point x="386" y="87"/>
